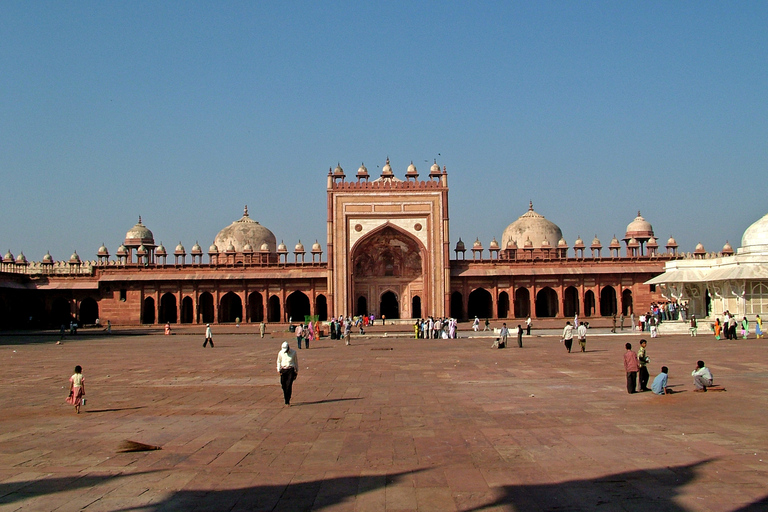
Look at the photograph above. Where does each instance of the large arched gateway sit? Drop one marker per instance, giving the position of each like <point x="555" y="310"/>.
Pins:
<point x="388" y="264"/>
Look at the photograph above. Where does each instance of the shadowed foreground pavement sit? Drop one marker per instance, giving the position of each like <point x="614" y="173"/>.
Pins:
<point x="428" y="425"/>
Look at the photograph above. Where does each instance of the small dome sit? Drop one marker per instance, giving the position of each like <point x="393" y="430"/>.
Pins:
<point x="48" y="258"/>
<point x="727" y="249"/>
<point x="138" y="235"/>
<point x="362" y="171"/>
<point x="316" y="247"/>
<point x="477" y="244"/>
<point x="579" y="244"/>
<point x="264" y="247"/>
<point x="633" y="243"/>
<point x="248" y="249"/>
<point x="534" y="227"/>
<point x="196" y="249"/>
<point x="21" y="259"/>
<point x="141" y="250"/>
<point x="122" y="250"/>
<point x="755" y="238"/>
<point x="639" y="228"/>
<point x="614" y="242"/>
<point x="562" y="243"/>
<point x="494" y="244"/>
<point x="160" y="251"/>
<point x="180" y="249"/>
<point x="230" y="248"/>
<point x="74" y="258"/>
<point x="103" y="251"/>
<point x="511" y="244"/>
<point x="435" y="169"/>
<point x="596" y="243"/>
<point x="299" y="247"/>
<point x="338" y="170"/>
<point x="652" y="242"/>
<point x="282" y="247"/>
<point x="387" y="169"/>
<point x="545" y="244"/>
<point x="671" y="242"/>
<point x="528" y="243"/>
<point x="213" y="249"/>
<point x="8" y="258"/>
<point x="699" y="249"/>
<point x="245" y="231"/>
<point x="460" y="246"/>
<point x="412" y="170"/>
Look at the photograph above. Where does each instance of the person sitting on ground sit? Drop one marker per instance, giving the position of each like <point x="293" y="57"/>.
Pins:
<point x="659" y="385"/>
<point x="702" y="377"/>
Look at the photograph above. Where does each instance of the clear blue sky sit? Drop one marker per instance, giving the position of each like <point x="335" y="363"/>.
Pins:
<point x="183" y="112"/>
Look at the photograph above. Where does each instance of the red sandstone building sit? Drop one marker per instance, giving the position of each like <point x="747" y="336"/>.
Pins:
<point x="388" y="252"/>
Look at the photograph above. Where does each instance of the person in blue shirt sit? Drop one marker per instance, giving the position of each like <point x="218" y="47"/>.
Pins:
<point x="659" y="385"/>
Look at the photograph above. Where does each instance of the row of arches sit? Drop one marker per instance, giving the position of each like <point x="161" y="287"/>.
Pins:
<point x="545" y="305"/>
<point x="230" y="308"/>
<point x="389" y="306"/>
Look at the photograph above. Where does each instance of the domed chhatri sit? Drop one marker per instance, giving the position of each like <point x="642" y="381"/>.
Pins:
<point x="534" y="227"/>
<point x="245" y="231"/>
<point x="139" y="235"/>
<point x="755" y="238"/>
<point x="640" y="230"/>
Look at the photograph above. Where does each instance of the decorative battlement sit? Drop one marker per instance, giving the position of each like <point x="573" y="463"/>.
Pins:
<point x="386" y="185"/>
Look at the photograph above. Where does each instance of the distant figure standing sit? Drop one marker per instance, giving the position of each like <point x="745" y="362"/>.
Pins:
<point x="167" y="328"/>
<point x="613" y="323"/>
<point x="581" y="331"/>
<point x="487" y="325"/>
<point x="621" y="321"/>
<point x="758" y="327"/>
<point x="299" y="332"/>
<point x="109" y="326"/>
<point x="744" y="328"/>
<point x="694" y="329"/>
<point x="262" y="329"/>
<point x="476" y="324"/>
<point x="631" y="367"/>
<point x="632" y="320"/>
<point x="383" y="319"/>
<point x="288" y="368"/>
<point x="528" y="326"/>
<point x="348" y="332"/>
<point x="519" y="336"/>
<point x="568" y="336"/>
<point x="76" y="389"/>
<point x="643" y="360"/>
<point x="504" y="333"/>
<point x="208" y="335"/>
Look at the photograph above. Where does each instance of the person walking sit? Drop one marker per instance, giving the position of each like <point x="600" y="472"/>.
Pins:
<point x="348" y="332"/>
<point x="288" y="368"/>
<point x="631" y="368"/>
<point x="208" y="336"/>
<point x="519" y="336"/>
<point x="744" y="328"/>
<point x="642" y="361"/>
<point x="621" y="322"/>
<point x="77" y="389"/>
<point x="504" y="333"/>
<point x="568" y="336"/>
<point x="262" y="329"/>
<point x="476" y="324"/>
<point x="528" y="326"/>
<point x="581" y="331"/>
<point x="487" y="325"/>
<point x="613" y="324"/>
<point x="758" y="327"/>
<point x="299" y="332"/>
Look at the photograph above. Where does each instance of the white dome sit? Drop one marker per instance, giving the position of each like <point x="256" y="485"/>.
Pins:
<point x="755" y="238"/>
<point x="532" y="227"/>
<point x="245" y="231"/>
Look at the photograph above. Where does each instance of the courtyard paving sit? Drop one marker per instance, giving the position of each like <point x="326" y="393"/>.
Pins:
<point x="386" y="424"/>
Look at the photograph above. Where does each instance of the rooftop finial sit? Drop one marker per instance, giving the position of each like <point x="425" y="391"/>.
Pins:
<point x="530" y="206"/>
<point x="139" y="219"/>
<point x="245" y="212"/>
<point x="638" y="213"/>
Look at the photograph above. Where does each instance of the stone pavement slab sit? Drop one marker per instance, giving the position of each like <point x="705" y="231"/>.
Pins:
<point x="386" y="424"/>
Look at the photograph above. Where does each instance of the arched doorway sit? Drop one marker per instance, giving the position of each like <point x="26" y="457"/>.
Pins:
<point x="61" y="312"/>
<point x="387" y="265"/>
<point x="707" y="304"/>
<point x="187" y="310"/>
<point x="89" y="311"/>
<point x="231" y="308"/>
<point x="321" y="308"/>
<point x="416" y="307"/>
<point x="362" y="306"/>
<point x="502" y="307"/>
<point x="205" y="309"/>
<point x="457" y="306"/>
<point x="522" y="303"/>
<point x="480" y="304"/>
<point x="626" y="302"/>
<point x="297" y="306"/>
<point x="389" y="306"/>
<point x="570" y="302"/>
<point x="168" y="308"/>
<point x="546" y="303"/>
<point x="273" y="309"/>
<point x="607" y="301"/>
<point x="148" y="311"/>
<point x="256" y="307"/>
<point x="589" y="303"/>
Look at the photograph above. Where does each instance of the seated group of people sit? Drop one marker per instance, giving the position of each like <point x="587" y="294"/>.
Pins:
<point x="702" y="379"/>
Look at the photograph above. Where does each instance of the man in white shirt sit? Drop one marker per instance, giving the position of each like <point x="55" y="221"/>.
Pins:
<point x="568" y="336"/>
<point x="581" y="331"/>
<point x="288" y="368"/>
<point x="299" y="331"/>
<point x="702" y="377"/>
